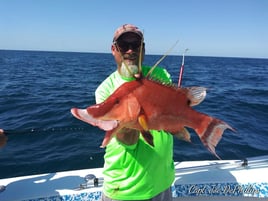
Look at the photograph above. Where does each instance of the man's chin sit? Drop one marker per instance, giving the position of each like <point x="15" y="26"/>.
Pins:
<point x="128" y="70"/>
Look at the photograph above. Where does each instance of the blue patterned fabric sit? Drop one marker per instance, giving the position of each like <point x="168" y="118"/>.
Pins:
<point x="186" y="190"/>
<point x="221" y="189"/>
<point x="91" y="196"/>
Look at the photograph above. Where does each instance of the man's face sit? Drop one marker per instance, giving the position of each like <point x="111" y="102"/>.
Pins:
<point x="127" y="48"/>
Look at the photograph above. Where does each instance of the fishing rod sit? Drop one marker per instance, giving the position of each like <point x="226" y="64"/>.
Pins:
<point x="184" y="132"/>
<point x="182" y="68"/>
<point x="162" y="58"/>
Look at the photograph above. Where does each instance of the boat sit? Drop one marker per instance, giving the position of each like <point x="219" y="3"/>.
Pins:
<point x="194" y="180"/>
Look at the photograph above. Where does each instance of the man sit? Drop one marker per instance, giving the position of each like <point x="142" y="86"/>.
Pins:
<point x="133" y="169"/>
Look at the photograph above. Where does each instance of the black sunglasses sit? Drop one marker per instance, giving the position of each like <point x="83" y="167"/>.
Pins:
<point x="124" y="46"/>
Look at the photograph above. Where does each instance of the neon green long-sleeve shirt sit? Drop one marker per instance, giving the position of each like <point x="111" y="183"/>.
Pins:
<point x="138" y="171"/>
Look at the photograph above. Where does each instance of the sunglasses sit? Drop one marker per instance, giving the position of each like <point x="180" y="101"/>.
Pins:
<point x="124" y="46"/>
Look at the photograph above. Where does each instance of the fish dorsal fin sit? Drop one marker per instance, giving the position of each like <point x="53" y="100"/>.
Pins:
<point x="196" y="95"/>
<point x="162" y="82"/>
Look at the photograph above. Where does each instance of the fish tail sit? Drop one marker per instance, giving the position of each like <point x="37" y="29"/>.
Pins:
<point x="211" y="135"/>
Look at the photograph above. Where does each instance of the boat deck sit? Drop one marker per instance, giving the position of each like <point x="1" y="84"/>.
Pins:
<point x="195" y="180"/>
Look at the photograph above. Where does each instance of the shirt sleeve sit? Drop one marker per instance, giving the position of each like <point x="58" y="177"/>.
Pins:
<point x="158" y="74"/>
<point x="109" y="85"/>
<point x="105" y="89"/>
<point x="101" y="93"/>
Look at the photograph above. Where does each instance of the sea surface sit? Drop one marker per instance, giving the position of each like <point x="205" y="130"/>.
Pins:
<point x="38" y="89"/>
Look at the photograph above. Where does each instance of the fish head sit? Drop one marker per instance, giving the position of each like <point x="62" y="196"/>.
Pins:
<point x="124" y="109"/>
<point x="120" y="109"/>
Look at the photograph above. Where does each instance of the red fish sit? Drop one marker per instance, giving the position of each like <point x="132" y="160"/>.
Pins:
<point x="144" y="104"/>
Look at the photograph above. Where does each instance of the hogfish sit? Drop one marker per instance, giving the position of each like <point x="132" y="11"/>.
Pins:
<point x="145" y="104"/>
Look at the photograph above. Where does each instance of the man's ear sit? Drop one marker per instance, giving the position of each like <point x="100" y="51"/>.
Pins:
<point x="113" y="49"/>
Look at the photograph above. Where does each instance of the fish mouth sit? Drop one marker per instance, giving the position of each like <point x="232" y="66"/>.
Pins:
<point x="106" y="125"/>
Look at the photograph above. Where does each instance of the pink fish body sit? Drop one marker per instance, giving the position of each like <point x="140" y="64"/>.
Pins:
<point x="146" y="105"/>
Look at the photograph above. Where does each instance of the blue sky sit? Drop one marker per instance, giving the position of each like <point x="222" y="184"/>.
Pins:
<point x="235" y="28"/>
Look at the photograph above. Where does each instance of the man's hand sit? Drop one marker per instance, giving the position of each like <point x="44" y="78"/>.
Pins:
<point x="3" y="138"/>
<point x="128" y="136"/>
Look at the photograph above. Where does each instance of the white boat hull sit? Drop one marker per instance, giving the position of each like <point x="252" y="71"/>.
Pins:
<point x="195" y="180"/>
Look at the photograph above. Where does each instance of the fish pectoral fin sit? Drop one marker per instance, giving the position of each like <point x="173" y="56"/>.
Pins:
<point x="148" y="137"/>
<point x="183" y="134"/>
<point x="143" y="122"/>
<point x="196" y="95"/>
<point x="145" y="132"/>
<point x="107" y="138"/>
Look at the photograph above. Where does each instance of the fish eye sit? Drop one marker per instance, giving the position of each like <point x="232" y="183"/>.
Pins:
<point x="189" y="102"/>
<point x="117" y="101"/>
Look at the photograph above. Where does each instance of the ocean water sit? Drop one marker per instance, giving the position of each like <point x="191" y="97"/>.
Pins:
<point x="39" y="88"/>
